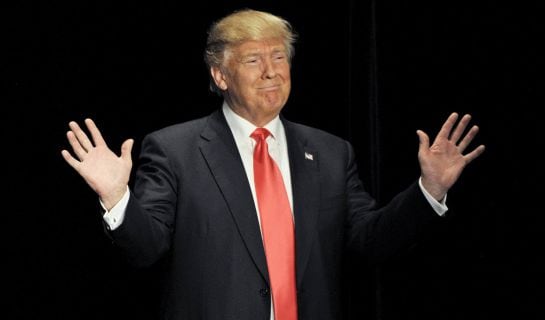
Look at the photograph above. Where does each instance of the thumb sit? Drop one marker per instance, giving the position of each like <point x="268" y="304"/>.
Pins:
<point x="126" y="149"/>
<point x="424" y="140"/>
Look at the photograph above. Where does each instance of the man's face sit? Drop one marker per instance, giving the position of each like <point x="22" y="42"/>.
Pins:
<point x="256" y="77"/>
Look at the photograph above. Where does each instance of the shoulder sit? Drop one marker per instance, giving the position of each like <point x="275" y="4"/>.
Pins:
<point x="178" y="133"/>
<point x="313" y="136"/>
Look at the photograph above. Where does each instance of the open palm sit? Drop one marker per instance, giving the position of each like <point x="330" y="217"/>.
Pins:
<point x="442" y="163"/>
<point x="105" y="172"/>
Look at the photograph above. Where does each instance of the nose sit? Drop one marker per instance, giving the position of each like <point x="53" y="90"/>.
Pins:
<point x="269" y="69"/>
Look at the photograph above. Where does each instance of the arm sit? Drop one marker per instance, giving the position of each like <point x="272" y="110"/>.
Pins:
<point x="381" y="233"/>
<point x="145" y="229"/>
<point x="145" y="233"/>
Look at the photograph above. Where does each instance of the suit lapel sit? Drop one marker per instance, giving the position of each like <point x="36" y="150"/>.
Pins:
<point x="221" y="154"/>
<point x="306" y="194"/>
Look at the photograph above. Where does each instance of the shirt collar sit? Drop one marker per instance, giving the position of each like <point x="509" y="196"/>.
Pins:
<point x="242" y="128"/>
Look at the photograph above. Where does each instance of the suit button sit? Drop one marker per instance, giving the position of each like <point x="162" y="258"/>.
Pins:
<point x="264" y="292"/>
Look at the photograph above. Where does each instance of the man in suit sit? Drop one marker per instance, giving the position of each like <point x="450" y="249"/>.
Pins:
<point x="197" y="203"/>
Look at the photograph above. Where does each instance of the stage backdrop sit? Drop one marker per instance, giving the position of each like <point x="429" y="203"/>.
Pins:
<point x="370" y="72"/>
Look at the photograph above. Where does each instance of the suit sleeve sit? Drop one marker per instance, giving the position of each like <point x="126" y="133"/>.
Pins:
<point x="386" y="232"/>
<point x="145" y="233"/>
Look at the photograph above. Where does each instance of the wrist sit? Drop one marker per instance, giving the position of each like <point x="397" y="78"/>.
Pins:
<point x="110" y="199"/>
<point x="434" y="190"/>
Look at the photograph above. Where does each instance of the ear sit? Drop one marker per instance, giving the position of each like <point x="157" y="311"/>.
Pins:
<point x="219" y="77"/>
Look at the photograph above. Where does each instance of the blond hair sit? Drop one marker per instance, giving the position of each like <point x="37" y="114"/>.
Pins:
<point x="244" y="25"/>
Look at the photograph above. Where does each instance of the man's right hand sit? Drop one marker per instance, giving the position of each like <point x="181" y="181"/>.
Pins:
<point x="105" y="172"/>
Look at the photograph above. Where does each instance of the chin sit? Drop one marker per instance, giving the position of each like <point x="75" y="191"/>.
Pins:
<point x="274" y="101"/>
<point x="274" y="106"/>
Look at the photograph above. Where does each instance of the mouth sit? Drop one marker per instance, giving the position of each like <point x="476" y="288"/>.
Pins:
<point x="269" y="88"/>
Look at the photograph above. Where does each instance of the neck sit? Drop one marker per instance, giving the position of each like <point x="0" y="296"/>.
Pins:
<point x="257" y="119"/>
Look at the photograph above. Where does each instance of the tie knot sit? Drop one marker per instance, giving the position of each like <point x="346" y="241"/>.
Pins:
<point x="260" y="134"/>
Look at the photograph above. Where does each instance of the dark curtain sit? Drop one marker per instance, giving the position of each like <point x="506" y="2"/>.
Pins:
<point x="369" y="71"/>
<point x="481" y="58"/>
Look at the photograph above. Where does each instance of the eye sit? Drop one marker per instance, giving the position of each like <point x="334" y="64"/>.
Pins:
<point x="250" y="60"/>
<point x="279" y="56"/>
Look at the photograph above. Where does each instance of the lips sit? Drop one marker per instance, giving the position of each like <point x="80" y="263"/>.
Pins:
<point x="269" y="88"/>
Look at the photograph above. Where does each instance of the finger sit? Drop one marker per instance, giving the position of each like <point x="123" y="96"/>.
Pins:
<point x="81" y="136"/>
<point x="424" y="141"/>
<point x="468" y="138"/>
<point x="126" y="149"/>
<point x="460" y="128"/>
<point x="474" y="154"/>
<point x="447" y="126"/>
<point x="76" y="145"/>
<point x="70" y="160"/>
<point x="95" y="133"/>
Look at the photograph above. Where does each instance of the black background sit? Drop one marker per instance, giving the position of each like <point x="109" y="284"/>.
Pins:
<point x="369" y="72"/>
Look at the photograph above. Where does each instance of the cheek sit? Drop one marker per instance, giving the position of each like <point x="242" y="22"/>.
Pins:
<point x="286" y="75"/>
<point x="247" y="81"/>
<point x="287" y="82"/>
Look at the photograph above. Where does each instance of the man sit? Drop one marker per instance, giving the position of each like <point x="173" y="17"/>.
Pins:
<point x="205" y="191"/>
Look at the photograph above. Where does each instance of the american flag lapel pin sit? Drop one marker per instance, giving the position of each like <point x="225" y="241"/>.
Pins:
<point x="309" y="156"/>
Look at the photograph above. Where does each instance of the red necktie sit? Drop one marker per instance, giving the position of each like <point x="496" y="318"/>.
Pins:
<point x="277" y="228"/>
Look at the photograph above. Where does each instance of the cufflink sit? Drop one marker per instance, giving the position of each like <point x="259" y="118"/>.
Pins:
<point x="309" y="156"/>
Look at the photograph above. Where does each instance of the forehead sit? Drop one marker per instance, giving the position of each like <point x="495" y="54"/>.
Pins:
<point x="259" y="46"/>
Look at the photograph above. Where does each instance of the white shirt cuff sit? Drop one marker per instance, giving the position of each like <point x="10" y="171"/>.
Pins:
<point x="115" y="216"/>
<point x="439" y="207"/>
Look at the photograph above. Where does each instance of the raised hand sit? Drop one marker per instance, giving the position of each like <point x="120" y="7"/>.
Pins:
<point x="442" y="163"/>
<point x="105" y="172"/>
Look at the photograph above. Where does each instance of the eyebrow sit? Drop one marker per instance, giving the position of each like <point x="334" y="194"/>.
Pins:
<point x="259" y="53"/>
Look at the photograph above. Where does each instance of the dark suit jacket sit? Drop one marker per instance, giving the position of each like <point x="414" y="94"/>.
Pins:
<point x="192" y="208"/>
